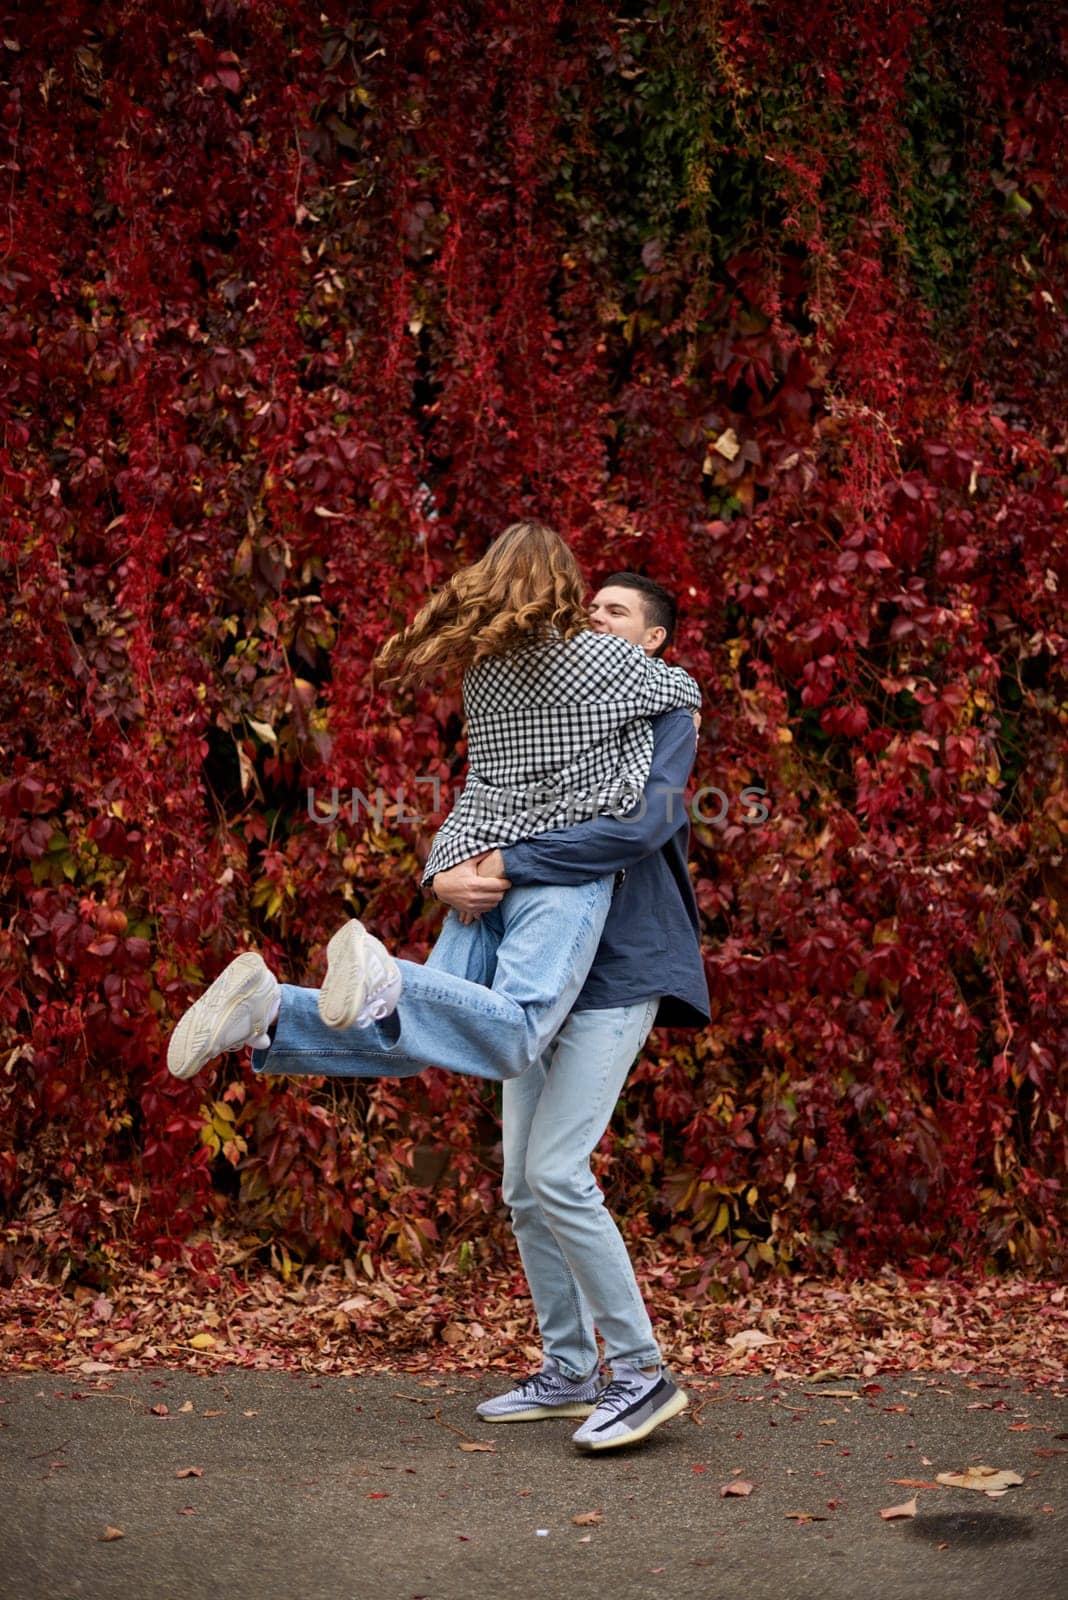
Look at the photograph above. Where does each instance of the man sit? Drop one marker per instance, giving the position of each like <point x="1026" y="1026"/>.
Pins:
<point x="647" y="969"/>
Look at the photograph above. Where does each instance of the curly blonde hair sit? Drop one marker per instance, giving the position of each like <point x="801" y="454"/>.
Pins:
<point x="527" y="584"/>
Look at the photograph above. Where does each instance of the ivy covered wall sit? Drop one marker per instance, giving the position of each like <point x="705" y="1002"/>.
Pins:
<point x="297" y="310"/>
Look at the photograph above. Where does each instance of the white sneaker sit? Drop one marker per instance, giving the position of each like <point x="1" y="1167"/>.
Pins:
<point x="362" y="983"/>
<point x="629" y="1408"/>
<point x="236" y="1011"/>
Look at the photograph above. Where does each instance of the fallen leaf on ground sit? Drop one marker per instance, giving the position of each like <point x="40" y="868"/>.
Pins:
<point x="470" y="1445"/>
<point x="162" y="1410"/>
<point x="749" y="1339"/>
<point x="203" y="1341"/>
<point x="805" y="1516"/>
<point x="187" y="1406"/>
<point x="988" y="1480"/>
<point x="588" y="1519"/>
<point x="126" y="1347"/>
<point x="110" y="1533"/>
<point x="189" y="1472"/>
<point x="908" y="1509"/>
<point x="736" y="1486"/>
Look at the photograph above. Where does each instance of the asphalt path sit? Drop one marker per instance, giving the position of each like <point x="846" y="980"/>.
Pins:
<point x="361" y="1488"/>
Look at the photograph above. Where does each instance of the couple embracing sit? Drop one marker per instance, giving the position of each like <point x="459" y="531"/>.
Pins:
<point x="572" y="930"/>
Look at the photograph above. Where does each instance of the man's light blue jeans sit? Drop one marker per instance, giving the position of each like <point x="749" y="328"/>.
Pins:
<point x="488" y="1001"/>
<point x="573" y="1254"/>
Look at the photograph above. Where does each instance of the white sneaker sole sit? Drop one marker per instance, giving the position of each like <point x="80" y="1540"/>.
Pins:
<point x="345" y="996"/>
<point x="671" y="1408"/>
<point x="196" y="1039"/>
<point x="572" y="1408"/>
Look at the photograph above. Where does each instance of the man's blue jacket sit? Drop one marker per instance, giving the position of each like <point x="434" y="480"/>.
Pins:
<point x="651" y="942"/>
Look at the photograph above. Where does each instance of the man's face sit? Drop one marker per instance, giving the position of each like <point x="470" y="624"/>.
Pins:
<point x="622" y="611"/>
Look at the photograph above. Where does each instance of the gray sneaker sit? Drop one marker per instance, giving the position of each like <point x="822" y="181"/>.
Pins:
<point x="547" y="1394"/>
<point x="629" y="1408"/>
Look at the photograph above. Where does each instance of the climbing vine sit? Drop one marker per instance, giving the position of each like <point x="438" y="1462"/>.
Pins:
<point x="297" y="309"/>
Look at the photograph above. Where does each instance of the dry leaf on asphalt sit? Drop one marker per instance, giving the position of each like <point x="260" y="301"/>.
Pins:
<point x="186" y="1406"/>
<point x="908" y="1509"/>
<point x="988" y="1480"/>
<point x="490" y="1449"/>
<point x="736" y="1486"/>
<point x="189" y="1472"/>
<point x="110" y="1533"/>
<point x="588" y="1519"/>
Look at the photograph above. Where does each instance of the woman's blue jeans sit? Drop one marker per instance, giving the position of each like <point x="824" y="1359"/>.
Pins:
<point x="562" y="1076"/>
<point x="488" y="1001"/>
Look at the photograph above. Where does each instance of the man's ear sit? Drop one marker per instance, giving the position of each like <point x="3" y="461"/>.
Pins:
<point x="654" y="638"/>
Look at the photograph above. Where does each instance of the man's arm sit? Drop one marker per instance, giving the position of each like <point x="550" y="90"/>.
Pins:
<point x="607" y="844"/>
<point x="469" y="891"/>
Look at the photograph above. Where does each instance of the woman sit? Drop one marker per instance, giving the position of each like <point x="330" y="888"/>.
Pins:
<point x="558" y="731"/>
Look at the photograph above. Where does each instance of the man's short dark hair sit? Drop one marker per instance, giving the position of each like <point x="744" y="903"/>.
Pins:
<point x="657" y="603"/>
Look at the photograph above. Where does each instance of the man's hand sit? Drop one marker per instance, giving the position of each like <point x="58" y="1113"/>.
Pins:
<point x="470" y="889"/>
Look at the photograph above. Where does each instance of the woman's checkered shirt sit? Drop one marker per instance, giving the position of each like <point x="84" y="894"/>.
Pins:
<point x="557" y="731"/>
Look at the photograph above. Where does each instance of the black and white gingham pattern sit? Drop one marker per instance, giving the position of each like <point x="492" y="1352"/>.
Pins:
<point x="557" y="732"/>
